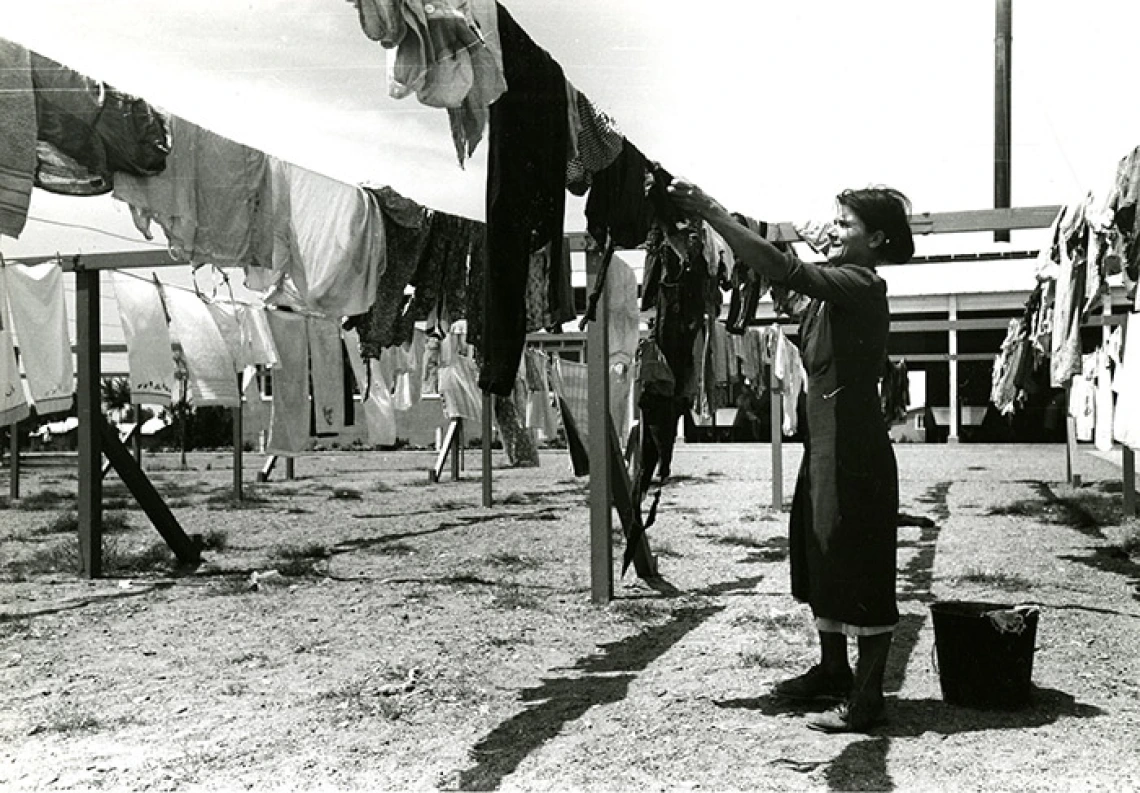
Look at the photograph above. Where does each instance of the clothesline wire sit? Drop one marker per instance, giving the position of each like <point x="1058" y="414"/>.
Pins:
<point x="94" y="229"/>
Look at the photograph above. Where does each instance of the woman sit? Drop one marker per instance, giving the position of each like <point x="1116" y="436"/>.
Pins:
<point x="843" y="532"/>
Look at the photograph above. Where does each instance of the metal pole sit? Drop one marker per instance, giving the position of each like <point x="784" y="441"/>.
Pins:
<point x="1003" y="95"/>
<point x="90" y="504"/>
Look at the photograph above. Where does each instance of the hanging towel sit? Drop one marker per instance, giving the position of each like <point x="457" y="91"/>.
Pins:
<point x="379" y="413"/>
<point x="205" y="200"/>
<point x="150" y="356"/>
<point x="225" y="317"/>
<point x="328" y="238"/>
<point x="17" y="137"/>
<point x="256" y="340"/>
<point x="209" y="364"/>
<point x="289" y="414"/>
<point x="624" y="322"/>
<point x="13" y="403"/>
<point x="326" y="364"/>
<point x="39" y="318"/>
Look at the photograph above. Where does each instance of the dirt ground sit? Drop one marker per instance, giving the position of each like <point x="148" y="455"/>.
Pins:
<point x="358" y="628"/>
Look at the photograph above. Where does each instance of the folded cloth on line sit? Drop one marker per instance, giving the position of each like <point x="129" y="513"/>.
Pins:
<point x="39" y="317"/>
<point x="150" y="356"/>
<point x="17" y="137"/>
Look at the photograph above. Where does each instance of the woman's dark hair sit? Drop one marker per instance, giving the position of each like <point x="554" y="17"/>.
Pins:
<point x="883" y="209"/>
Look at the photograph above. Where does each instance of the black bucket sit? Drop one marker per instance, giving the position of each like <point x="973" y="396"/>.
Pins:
<point x="985" y="653"/>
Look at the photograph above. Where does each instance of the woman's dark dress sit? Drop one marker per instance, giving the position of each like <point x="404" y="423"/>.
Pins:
<point x="844" y="518"/>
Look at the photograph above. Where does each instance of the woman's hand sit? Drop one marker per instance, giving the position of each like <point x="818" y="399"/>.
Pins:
<point x="692" y="200"/>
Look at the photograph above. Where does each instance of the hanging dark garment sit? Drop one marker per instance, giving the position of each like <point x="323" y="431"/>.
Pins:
<point x="680" y="296"/>
<point x="407" y="227"/>
<point x="440" y="279"/>
<point x="87" y="130"/>
<point x="617" y="207"/>
<point x="526" y="194"/>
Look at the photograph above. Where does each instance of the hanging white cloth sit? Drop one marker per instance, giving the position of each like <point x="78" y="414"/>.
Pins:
<point x="39" y="318"/>
<point x="624" y="323"/>
<point x="379" y="412"/>
<point x="459" y="377"/>
<point x="150" y="357"/>
<point x="209" y="364"/>
<point x="328" y="243"/>
<point x="326" y="365"/>
<point x="17" y="137"/>
<point x="13" y="393"/>
<point x="1126" y="419"/>
<point x="289" y="415"/>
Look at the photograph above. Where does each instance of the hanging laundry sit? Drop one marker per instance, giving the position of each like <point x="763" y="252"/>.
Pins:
<point x="13" y="397"/>
<point x="328" y="242"/>
<point x="407" y="227"/>
<point x="326" y="375"/>
<point x="39" y="318"/>
<point x="787" y="366"/>
<point x="225" y="317"/>
<point x="289" y="425"/>
<point x="440" y="278"/>
<point x="405" y="363"/>
<point x="459" y="378"/>
<point x="17" y="137"/>
<point x="624" y="322"/>
<point x="570" y="381"/>
<point x="207" y="199"/>
<point x="549" y="293"/>
<point x="1082" y="399"/>
<point x="257" y="347"/>
<point x="539" y="408"/>
<point x="150" y="356"/>
<point x="1122" y="205"/>
<point x="379" y="412"/>
<point x="209" y="364"/>
<point x="432" y="344"/>
<point x="894" y="391"/>
<point x="526" y="195"/>
<point x="447" y="52"/>
<point x="88" y="131"/>
<point x="597" y="143"/>
<point x="1069" y="252"/>
<point x="617" y="207"/>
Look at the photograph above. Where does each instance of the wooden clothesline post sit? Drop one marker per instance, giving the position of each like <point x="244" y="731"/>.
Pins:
<point x="601" y="477"/>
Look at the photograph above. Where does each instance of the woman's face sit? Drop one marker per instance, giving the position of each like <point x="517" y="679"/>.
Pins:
<point x="850" y="242"/>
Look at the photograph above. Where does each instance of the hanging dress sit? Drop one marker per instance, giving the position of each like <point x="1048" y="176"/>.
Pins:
<point x="844" y="520"/>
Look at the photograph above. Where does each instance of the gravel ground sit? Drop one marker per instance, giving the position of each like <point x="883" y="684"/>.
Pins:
<point x="358" y="628"/>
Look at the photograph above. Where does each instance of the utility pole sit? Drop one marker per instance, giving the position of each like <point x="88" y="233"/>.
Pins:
<point x="1003" y="91"/>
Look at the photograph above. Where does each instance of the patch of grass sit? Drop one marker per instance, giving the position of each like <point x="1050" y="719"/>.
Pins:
<point x="66" y="718"/>
<point x="252" y="498"/>
<point x="395" y="549"/>
<point x="760" y="514"/>
<point x="641" y="611"/>
<point x="360" y="698"/>
<point x="994" y="579"/>
<point x="298" y="568"/>
<point x="758" y="659"/>
<point x="663" y="549"/>
<point x="58" y="557"/>
<point x="312" y="550"/>
<point x="46" y="500"/>
<point x="215" y="540"/>
<point x="346" y="494"/>
<point x="120" y="556"/>
<point x="513" y="598"/>
<point x="740" y="541"/>
<point x="383" y="487"/>
<point x="512" y="561"/>
<point x="772" y="620"/>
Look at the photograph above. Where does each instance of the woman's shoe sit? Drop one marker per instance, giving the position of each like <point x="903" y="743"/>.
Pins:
<point x="816" y="683"/>
<point x="850" y="717"/>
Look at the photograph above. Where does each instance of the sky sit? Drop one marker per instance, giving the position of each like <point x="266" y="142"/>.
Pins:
<point x="771" y="107"/>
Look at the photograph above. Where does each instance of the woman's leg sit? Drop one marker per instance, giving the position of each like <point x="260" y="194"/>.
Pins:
<point x="829" y="679"/>
<point x="864" y="708"/>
